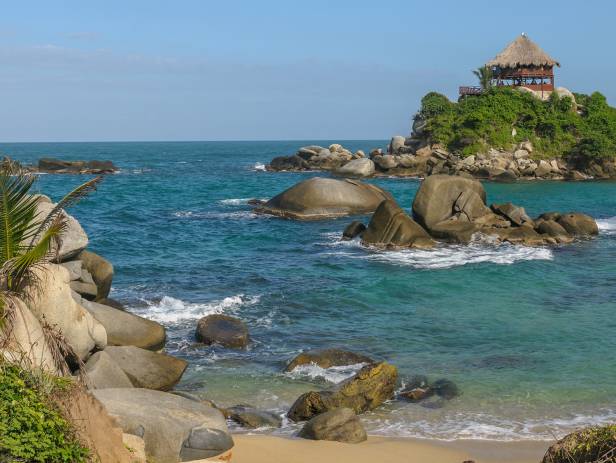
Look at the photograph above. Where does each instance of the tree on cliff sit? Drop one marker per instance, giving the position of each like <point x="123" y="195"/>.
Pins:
<point x="484" y="75"/>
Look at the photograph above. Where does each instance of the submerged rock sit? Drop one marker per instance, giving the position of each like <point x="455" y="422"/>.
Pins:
<point x="340" y="425"/>
<point x="391" y="226"/>
<point x="224" y="330"/>
<point x="369" y="388"/>
<point x="327" y="358"/>
<point x="249" y="417"/>
<point x="320" y="198"/>
<point x="353" y="230"/>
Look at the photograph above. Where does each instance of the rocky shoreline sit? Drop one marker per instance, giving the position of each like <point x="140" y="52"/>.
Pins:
<point x="415" y="157"/>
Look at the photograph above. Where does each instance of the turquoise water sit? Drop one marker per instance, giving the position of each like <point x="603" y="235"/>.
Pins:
<point x="528" y="334"/>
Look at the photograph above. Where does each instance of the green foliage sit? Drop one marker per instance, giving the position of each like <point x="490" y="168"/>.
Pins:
<point x="501" y="117"/>
<point x="26" y="238"/>
<point x="31" y="427"/>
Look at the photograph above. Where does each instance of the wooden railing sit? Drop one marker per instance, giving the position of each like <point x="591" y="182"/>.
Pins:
<point x="470" y="91"/>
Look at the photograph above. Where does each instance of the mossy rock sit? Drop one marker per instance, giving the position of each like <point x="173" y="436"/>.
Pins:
<point x="590" y="445"/>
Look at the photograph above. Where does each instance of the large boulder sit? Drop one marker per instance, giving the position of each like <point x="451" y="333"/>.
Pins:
<point x="74" y="238"/>
<point x="327" y="358"/>
<point x="362" y="167"/>
<point x="438" y="194"/>
<point x="127" y="329"/>
<point x="369" y="388"/>
<point x="320" y="198"/>
<point x="224" y="330"/>
<point x="146" y="369"/>
<point x="340" y="425"/>
<point x="288" y="163"/>
<point x="578" y="224"/>
<point x="397" y="144"/>
<point x="100" y="269"/>
<point x="23" y="340"/>
<point x="590" y="445"/>
<point x="515" y="214"/>
<point x="173" y="428"/>
<point x="102" y="372"/>
<point x="49" y="297"/>
<point x="391" y="226"/>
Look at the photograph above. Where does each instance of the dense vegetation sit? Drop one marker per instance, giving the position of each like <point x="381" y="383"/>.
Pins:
<point x="556" y="127"/>
<point x="31" y="427"/>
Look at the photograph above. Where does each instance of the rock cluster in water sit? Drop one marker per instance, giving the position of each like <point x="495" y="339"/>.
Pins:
<point x="413" y="157"/>
<point x="59" y="166"/>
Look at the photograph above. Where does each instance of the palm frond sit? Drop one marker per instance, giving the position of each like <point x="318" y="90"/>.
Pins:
<point x="17" y="268"/>
<point x="70" y="199"/>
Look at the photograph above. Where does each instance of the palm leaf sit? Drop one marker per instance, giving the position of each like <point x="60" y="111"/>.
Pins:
<point x="70" y="199"/>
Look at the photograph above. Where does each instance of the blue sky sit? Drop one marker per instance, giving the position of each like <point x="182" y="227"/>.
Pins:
<point x="267" y="70"/>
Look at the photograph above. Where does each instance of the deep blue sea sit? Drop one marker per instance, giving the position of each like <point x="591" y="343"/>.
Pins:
<point x="528" y="334"/>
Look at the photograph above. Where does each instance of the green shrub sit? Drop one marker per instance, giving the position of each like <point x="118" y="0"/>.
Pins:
<point x="554" y="126"/>
<point x="31" y="427"/>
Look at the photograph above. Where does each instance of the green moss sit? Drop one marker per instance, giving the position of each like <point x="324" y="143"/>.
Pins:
<point x="502" y="117"/>
<point x="31" y="427"/>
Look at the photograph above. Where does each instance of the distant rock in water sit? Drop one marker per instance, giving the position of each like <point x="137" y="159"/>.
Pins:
<point x="224" y="330"/>
<point x="321" y="198"/>
<point x="58" y="166"/>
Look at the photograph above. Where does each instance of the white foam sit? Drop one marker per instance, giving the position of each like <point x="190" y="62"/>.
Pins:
<point x="333" y="375"/>
<point x="172" y="310"/>
<point x="443" y="256"/>
<point x="478" y="426"/>
<point x="236" y="215"/>
<point x="259" y="167"/>
<point x="607" y="226"/>
<point x="234" y="201"/>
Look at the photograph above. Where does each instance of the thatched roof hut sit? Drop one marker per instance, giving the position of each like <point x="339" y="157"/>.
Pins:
<point x="522" y="52"/>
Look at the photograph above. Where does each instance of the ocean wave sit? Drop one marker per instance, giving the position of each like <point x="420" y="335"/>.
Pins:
<point x="259" y="167"/>
<point x="214" y="215"/>
<point x="477" y="426"/>
<point x="444" y="256"/>
<point x="607" y="226"/>
<point x="332" y="375"/>
<point x="172" y="310"/>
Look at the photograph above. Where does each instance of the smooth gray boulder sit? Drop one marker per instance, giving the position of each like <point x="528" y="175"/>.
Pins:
<point x="172" y="427"/>
<point x="146" y="369"/>
<point x="327" y="358"/>
<point x="362" y="167"/>
<point x="437" y="195"/>
<point x="102" y="372"/>
<point x="100" y="269"/>
<point x="224" y="330"/>
<point x="127" y="329"/>
<point x="340" y="425"/>
<point x="86" y="290"/>
<point x="320" y="198"/>
<point x="74" y="238"/>
<point x="51" y="298"/>
<point x="390" y="226"/>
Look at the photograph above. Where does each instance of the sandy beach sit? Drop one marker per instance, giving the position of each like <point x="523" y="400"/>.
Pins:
<point x="269" y="449"/>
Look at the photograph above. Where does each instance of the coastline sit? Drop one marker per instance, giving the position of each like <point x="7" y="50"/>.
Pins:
<point x="267" y="449"/>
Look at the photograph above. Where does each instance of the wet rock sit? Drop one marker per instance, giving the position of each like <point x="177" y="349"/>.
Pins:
<point x="146" y="369"/>
<point x="555" y="230"/>
<point x="437" y="194"/>
<point x="224" y="330"/>
<point x="369" y="388"/>
<point x="327" y="358"/>
<point x="417" y="394"/>
<point x="578" y="224"/>
<point x="294" y="162"/>
<point x="391" y="226"/>
<point x="454" y="231"/>
<point x="353" y="230"/>
<point x="515" y="214"/>
<point x="252" y="418"/>
<point x="340" y="425"/>
<point x="445" y="388"/>
<point x="320" y="198"/>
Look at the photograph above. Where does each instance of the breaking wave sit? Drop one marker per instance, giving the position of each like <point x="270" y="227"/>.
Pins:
<point x="607" y="226"/>
<point x="444" y="256"/>
<point x="331" y="375"/>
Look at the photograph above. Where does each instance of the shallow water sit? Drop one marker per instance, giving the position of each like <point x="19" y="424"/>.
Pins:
<point x="526" y="333"/>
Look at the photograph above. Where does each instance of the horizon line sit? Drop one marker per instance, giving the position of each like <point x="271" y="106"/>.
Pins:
<point x="198" y="141"/>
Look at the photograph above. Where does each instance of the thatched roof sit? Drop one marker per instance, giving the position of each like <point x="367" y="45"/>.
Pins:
<point x="522" y="52"/>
